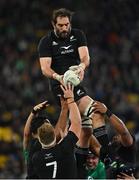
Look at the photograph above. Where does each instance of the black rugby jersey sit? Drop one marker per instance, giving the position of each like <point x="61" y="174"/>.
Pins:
<point x="57" y="162"/>
<point x="34" y="146"/>
<point x="64" y="52"/>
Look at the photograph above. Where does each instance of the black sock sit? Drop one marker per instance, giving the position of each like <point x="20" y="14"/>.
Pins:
<point x="101" y="135"/>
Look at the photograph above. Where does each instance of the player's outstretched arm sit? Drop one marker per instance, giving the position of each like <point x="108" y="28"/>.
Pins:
<point x="45" y="63"/>
<point x="84" y="62"/>
<point x="74" y="114"/>
<point x="117" y="123"/>
<point x="27" y="134"/>
<point x="84" y="56"/>
<point x="62" y="121"/>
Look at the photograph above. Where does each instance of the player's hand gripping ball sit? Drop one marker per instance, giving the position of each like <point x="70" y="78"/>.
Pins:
<point x="72" y="77"/>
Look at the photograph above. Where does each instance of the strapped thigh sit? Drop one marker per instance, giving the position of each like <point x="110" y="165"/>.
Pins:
<point x="87" y="116"/>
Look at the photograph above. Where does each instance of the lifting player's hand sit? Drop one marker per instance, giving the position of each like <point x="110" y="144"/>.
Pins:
<point x="39" y="107"/>
<point x="99" y="107"/>
<point x="68" y="91"/>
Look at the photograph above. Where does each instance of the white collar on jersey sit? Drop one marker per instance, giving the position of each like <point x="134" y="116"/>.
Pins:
<point x="47" y="146"/>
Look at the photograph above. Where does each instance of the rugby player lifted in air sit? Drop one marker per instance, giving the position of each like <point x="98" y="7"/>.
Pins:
<point x="62" y="49"/>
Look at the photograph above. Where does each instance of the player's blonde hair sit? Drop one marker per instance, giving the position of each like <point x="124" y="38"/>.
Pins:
<point x="46" y="134"/>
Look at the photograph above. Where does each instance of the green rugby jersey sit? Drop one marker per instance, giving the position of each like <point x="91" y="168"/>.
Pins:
<point x="98" y="173"/>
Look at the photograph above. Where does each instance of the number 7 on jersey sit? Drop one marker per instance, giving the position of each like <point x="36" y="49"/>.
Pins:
<point x="54" y="163"/>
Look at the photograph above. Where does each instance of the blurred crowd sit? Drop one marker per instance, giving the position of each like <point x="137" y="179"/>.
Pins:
<point x="112" y="30"/>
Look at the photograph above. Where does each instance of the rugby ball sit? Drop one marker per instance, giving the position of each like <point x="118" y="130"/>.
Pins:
<point x="72" y="77"/>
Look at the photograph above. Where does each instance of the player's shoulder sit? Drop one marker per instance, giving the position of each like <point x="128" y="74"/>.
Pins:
<point x="35" y="156"/>
<point x="101" y="164"/>
<point x="71" y="136"/>
<point x="47" y="37"/>
<point x="77" y="32"/>
<point x="36" y="153"/>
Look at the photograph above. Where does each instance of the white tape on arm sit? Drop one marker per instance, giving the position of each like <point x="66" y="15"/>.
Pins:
<point x="57" y="76"/>
<point x="82" y="65"/>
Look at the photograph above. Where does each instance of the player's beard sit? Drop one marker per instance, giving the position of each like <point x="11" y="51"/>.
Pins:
<point x="63" y="34"/>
